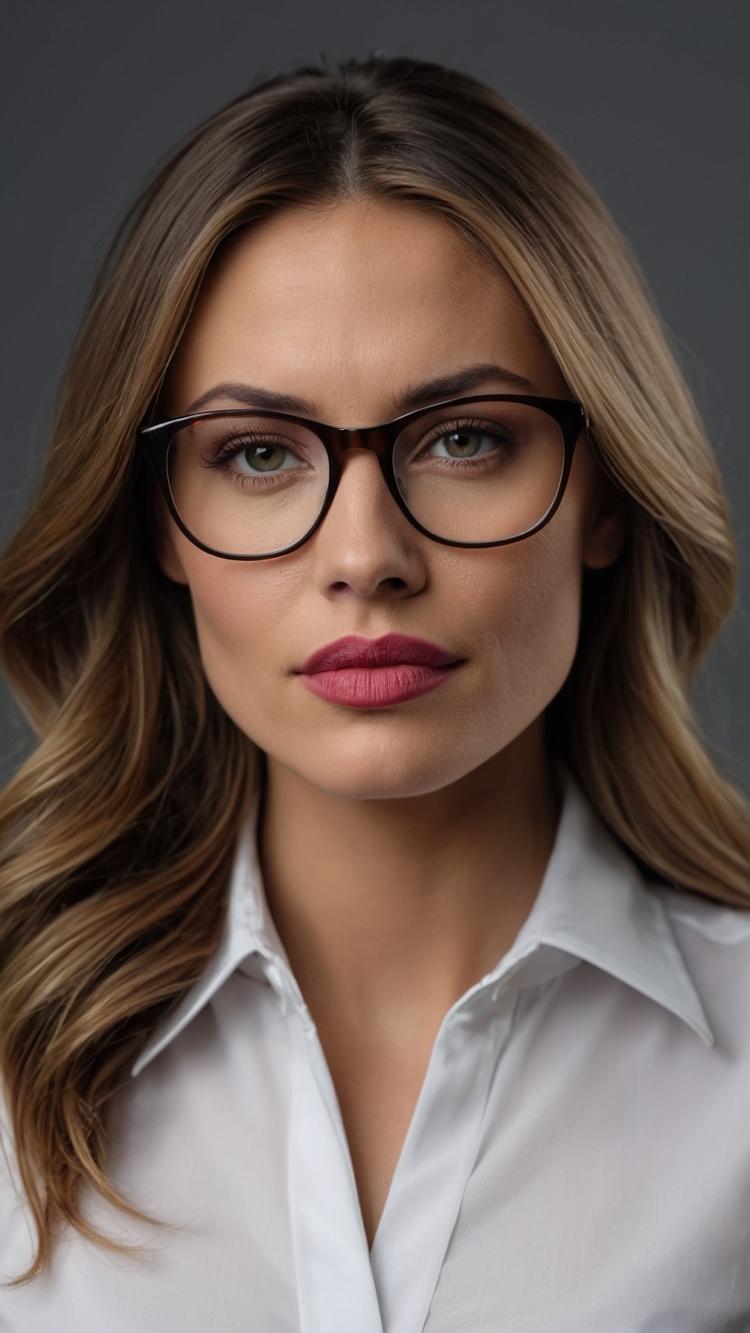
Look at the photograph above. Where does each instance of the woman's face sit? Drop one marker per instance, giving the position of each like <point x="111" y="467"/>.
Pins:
<point x="353" y="313"/>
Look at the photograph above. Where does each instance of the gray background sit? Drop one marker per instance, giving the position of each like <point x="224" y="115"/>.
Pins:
<point x="650" y="97"/>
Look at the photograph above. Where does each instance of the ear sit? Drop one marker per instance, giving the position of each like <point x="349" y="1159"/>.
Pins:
<point x="607" y="527"/>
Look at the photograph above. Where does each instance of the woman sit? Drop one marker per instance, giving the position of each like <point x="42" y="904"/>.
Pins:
<point x="369" y="828"/>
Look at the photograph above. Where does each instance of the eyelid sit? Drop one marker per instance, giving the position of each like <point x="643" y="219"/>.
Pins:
<point x="453" y="427"/>
<point x="234" y="444"/>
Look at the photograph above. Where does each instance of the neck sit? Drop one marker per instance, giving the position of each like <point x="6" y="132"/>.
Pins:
<point x="390" y="909"/>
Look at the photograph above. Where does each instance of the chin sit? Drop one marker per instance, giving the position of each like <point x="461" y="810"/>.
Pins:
<point x="370" y="786"/>
<point x="389" y="771"/>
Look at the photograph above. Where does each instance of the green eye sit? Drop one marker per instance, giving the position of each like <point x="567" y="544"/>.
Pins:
<point x="462" y="444"/>
<point x="264" y="458"/>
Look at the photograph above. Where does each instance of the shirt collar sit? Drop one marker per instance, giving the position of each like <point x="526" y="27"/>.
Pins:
<point x="592" y="907"/>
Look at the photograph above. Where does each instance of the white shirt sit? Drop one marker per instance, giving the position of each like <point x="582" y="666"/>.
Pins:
<point x="579" y="1158"/>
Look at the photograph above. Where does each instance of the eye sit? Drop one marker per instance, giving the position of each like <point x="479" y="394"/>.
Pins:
<point x="462" y="444"/>
<point x="264" y="457"/>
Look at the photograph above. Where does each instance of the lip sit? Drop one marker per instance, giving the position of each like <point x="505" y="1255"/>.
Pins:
<point x="376" y="673"/>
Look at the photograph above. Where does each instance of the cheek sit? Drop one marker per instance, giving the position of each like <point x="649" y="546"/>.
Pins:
<point x="242" y="615"/>
<point x="525" y="604"/>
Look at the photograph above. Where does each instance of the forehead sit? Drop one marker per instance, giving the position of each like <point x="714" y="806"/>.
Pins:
<point x="353" y="247"/>
<point x="331" y="301"/>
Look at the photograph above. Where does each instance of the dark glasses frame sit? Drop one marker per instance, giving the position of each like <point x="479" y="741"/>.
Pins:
<point x="154" y="442"/>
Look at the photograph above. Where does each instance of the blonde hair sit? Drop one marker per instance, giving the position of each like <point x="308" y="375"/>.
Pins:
<point x="118" y="833"/>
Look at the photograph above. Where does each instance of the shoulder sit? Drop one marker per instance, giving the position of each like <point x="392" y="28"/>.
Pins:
<point x="703" y="918"/>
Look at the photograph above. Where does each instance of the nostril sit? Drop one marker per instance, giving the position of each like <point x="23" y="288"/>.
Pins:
<point x="395" y="583"/>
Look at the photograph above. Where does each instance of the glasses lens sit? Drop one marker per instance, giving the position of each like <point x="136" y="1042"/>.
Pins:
<point x="484" y="472"/>
<point x="248" y="484"/>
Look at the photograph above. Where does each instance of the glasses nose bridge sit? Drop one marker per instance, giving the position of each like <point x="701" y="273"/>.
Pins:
<point x="375" y="439"/>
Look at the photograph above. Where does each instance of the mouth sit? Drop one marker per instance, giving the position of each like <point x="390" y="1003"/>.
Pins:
<point x="376" y="673"/>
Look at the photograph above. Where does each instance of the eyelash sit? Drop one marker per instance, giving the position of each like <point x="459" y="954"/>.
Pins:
<point x="464" y="427"/>
<point x="234" y="445"/>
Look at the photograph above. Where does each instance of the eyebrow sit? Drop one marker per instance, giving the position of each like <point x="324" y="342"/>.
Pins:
<point x="460" y="382"/>
<point x="250" y="396"/>
<point x="421" y="395"/>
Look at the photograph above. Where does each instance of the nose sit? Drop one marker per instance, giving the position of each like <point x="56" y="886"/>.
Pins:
<point x="365" y="546"/>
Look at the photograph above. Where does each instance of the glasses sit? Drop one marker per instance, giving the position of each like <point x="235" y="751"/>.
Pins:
<point x="477" y="471"/>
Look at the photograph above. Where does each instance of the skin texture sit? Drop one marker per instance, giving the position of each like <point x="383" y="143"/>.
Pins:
<point x="402" y="847"/>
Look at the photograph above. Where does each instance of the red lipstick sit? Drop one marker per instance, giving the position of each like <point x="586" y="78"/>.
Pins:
<point x="376" y="673"/>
